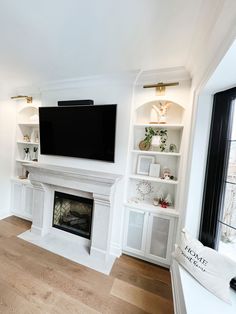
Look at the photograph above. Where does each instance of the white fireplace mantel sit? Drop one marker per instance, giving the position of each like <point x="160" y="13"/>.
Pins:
<point x="97" y="185"/>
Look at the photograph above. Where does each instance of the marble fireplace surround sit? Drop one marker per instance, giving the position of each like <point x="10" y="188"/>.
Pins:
<point x="100" y="187"/>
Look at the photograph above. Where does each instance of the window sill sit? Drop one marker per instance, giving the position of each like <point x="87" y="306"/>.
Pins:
<point x="191" y="298"/>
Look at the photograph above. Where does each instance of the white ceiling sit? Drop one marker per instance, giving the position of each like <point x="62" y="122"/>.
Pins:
<point x="58" y="39"/>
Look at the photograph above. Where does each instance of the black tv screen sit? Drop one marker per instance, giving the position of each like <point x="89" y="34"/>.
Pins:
<point x="82" y="131"/>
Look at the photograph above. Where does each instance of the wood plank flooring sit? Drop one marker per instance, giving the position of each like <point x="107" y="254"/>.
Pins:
<point x="33" y="280"/>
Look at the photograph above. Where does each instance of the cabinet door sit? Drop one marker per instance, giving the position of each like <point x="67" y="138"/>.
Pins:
<point x="28" y="194"/>
<point x="135" y="231"/>
<point x="159" y="238"/>
<point x="16" y="197"/>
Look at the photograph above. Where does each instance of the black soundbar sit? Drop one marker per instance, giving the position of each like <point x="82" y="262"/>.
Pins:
<point x="82" y="102"/>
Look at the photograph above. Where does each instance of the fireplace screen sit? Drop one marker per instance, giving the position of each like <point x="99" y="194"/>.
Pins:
<point x="73" y="214"/>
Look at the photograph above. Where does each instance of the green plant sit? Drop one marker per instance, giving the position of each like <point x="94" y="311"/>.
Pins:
<point x="150" y="132"/>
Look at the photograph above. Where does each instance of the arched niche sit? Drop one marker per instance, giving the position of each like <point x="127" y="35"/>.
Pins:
<point x="28" y="114"/>
<point x="174" y="113"/>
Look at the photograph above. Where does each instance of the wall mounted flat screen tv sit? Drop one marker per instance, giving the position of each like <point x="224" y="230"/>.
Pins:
<point x="82" y="131"/>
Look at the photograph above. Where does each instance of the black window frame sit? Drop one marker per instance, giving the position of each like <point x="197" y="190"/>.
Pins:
<point x="216" y="166"/>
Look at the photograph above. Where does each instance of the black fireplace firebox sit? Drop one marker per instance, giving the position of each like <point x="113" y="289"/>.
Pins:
<point x="73" y="214"/>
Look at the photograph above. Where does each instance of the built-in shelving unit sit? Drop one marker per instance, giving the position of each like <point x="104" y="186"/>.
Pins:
<point x="166" y="159"/>
<point x="27" y="136"/>
<point x="150" y="226"/>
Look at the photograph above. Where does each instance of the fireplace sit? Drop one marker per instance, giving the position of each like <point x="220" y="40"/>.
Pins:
<point x="73" y="214"/>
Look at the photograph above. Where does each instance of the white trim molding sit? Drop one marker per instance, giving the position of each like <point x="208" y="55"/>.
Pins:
<point x="177" y="290"/>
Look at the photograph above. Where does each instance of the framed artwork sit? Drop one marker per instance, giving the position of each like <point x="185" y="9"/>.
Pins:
<point x="154" y="170"/>
<point x="144" y="162"/>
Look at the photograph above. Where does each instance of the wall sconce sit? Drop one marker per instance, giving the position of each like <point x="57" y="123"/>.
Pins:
<point x="29" y="99"/>
<point x="161" y="87"/>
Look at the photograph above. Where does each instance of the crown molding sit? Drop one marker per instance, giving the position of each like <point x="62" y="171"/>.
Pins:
<point x="123" y="78"/>
<point x="163" y="75"/>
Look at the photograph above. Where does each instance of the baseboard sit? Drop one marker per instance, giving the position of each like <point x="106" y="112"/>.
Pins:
<point x="177" y="290"/>
<point x="29" y="218"/>
<point x="5" y="215"/>
<point x="36" y="230"/>
<point x="115" y="249"/>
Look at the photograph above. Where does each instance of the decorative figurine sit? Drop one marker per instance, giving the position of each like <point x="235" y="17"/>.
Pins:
<point x="27" y="154"/>
<point x="35" y="158"/>
<point x="161" y="111"/>
<point x="26" y="138"/>
<point x="166" y="175"/>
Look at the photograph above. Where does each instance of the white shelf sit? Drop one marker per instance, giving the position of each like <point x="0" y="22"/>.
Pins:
<point x="160" y="126"/>
<point x="26" y="161"/>
<point x="150" y="152"/>
<point x="148" y="206"/>
<point x="27" y="143"/>
<point x="28" y="123"/>
<point x="153" y="179"/>
<point x="23" y="181"/>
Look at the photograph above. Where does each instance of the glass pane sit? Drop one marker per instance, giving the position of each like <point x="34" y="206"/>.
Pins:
<point x="135" y="230"/>
<point x="231" y="176"/>
<point x="229" y="214"/>
<point x="233" y="134"/>
<point x="159" y="238"/>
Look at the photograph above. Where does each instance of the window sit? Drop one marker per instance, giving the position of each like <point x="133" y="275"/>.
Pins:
<point x="218" y="221"/>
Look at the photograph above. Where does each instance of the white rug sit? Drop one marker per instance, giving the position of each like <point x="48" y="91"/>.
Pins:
<point x="69" y="249"/>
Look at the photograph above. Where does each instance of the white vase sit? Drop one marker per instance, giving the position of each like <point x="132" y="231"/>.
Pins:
<point x="156" y="141"/>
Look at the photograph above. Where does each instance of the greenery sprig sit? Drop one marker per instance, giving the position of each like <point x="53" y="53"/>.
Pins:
<point x="150" y="132"/>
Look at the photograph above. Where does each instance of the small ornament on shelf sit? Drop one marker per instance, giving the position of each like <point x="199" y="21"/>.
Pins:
<point x="144" y="145"/>
<point x="144" y="188"/>
<point x="26" y="138"/>
<point x="35" y="157"/>
<point x="168" y="199"/>
<point x="159" y="196"/>
<point x="172" y="148"/>
<point x="135" y="200"/>
<point x="159" y="113"/>
<point x="27" y="154"/>
<point x="164" y="202"/>
<point x="166" y="174"/>
<point x="36" y="136"/>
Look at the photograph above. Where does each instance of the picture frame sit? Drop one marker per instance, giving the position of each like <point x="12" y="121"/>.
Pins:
<point x="143" y="164"/>
<point x="154" y="170"/>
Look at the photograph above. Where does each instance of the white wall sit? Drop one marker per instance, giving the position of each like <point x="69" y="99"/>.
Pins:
<point x="201" y="129"/>
<point x="7" y="135"/>
<point x="223" y="76"/>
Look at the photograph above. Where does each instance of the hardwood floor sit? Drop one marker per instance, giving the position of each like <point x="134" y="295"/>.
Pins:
<point x="33" y="280"/>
